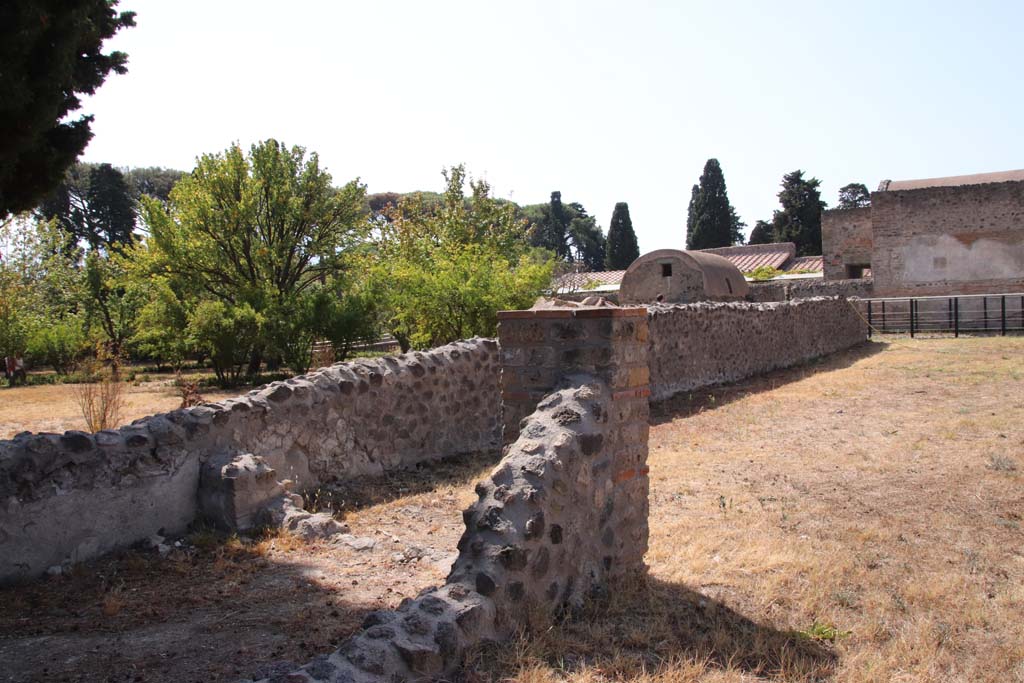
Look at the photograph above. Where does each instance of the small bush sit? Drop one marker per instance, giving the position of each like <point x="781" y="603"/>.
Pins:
<point x="101" y="401"/>
<point x="189" y="391"/>
<point x="59" y="345"/>
<point x="1002" y="463"/>
<point x="763" y="273"/>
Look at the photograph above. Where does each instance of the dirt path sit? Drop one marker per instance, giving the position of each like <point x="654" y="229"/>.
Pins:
<point x="222" y="610"/>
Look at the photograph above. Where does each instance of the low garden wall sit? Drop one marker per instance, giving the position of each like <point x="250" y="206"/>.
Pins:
<point x="560" y="516"/>
<point x="66" y="498"/>
<point x="785" y="290"/>
<point x="696" y="345"/>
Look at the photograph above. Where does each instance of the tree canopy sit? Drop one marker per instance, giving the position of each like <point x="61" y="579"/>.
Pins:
<point x="443" y="272"/>
<point x="799" y="221"/>
<point x="763" y="233"/>
<point x="711" y="220"/>
<point x="567" y="230"/>
<point x="265" y="237"/>
<point x="93" y="204"/>
<point x="51" y="52"/>
<point x="622" y="247"/>
<point x="854" y="196"/>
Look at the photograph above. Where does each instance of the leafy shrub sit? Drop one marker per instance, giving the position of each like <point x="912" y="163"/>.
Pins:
<point x="58" y="345"/>
<point x="229" y="335"/>
<point x="763" y="273"/>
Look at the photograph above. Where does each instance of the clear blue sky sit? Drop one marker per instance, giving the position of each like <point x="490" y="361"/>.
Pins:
<point x="606" y="102"/>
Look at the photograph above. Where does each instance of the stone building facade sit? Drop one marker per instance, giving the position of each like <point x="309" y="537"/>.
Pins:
<point x="957" y="235"/>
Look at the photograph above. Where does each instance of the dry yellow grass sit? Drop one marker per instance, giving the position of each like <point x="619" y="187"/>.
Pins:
<point x="54" y="408"/>
<point x="874" y="498"/>
<point x="857" y="520"/>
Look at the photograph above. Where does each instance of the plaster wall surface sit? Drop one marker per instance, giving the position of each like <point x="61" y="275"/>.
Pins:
<point x="66" y="498"/>
<point x="949" y="240"/>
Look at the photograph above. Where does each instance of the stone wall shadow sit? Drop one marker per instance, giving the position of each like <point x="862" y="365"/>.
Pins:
<point x="225" y="612"/>
<point x="655" y="627"/>
<point x="689" y="403"/>
<point x="360" y="492"/>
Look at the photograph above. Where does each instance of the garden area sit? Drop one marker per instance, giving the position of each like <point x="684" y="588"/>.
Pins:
<point x="856" y="519"/>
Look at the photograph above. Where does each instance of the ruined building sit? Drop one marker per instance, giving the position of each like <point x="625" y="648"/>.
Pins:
<point x="936" y="236"/>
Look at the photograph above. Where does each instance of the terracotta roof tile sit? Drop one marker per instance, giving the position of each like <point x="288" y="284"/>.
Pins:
<point x="753" y="256"/>
<point x="813" y="263"/>
<point x="951" y="181"/>
<point x="574" y="281"/>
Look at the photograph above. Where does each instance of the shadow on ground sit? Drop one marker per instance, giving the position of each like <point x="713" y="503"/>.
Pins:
<point x="362" y="492"/>
<point x="652" y="628"/>
<point x="218" y="613"/>
<point x="700" y="400"/>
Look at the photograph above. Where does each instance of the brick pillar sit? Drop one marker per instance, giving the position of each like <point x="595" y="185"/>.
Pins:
<point x="541" y="347"/>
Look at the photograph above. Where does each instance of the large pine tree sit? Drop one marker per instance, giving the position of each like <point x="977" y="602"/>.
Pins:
<point x="799" y="221"/>
<point x="93" y="204"/>
<point x="50" y="53"/>
<point x="567" y="230"/>
<point x="711" y="220"/>
<point x="622" y="246"/>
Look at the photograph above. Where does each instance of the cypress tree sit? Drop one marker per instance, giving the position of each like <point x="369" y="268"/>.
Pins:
<point x="762" y="233"/>
<point x="622" y="246"/>
<point x="550" y="232"/>
<point x="691" y="215"/>
<point x="711" y="220"/>
<point x="800" y="219"/>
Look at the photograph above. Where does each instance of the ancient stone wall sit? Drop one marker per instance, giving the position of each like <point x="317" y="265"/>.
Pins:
<point x="784" y="290"/>
<point x="965" y="239"/>
<point x="66" y="498"/>
<point x="695" y="345"/>
<point x="563" y="513"/>
<point x="846" y="241"/>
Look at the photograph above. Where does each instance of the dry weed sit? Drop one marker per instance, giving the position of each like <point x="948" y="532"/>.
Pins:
<point x="101" y="401"/>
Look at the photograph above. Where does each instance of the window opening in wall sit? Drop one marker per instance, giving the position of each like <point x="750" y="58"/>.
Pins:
<point x="728" y="284"/>
<point x="856" y="272"/>
<point x="666" y="270"/>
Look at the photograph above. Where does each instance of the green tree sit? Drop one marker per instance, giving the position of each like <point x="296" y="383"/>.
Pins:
<point x="93" y="204"/>
<point x="587" y="243"/>
<point x="711" y="220"/>
<point x="41" y="289"/>
<point x="162" y="323"/>
<point x="114" y="298"/>
<point x="153" y="181"/>
<point x="228" y="334"/>
<point x="568" y="231"/>
<point x="622" y="245"/>
<point x="50" y="52"/>
<point x="799" y="221"/>
<point x="442" y="274"/>
<point x="550" y="230"/>
<point x="763" y="233"/>
<point x="261" y="230"/>
<point x="854" y="196"/>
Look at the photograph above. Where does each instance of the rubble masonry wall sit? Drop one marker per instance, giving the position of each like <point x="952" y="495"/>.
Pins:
<point x="702" y="344"/>
<point x="68" y="497"/>
<point x="560" y="516"/>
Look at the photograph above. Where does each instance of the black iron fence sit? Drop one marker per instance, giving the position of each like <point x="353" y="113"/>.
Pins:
<point x="973" y="314"/>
